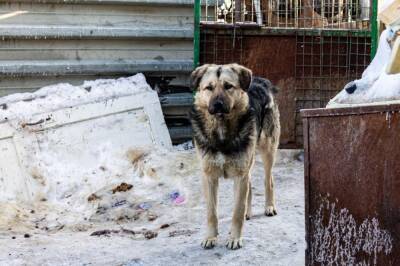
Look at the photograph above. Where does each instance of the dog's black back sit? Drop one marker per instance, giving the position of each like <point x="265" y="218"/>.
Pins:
<point x="261" y="93"/>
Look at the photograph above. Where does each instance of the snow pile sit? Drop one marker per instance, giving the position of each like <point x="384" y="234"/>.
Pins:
<point x="54" y="97"/>
<point x="84" y="172"/>
<point x="375" y="85"/>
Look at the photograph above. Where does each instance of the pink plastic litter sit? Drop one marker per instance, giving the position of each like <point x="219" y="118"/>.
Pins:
<point x="179" y="200"/>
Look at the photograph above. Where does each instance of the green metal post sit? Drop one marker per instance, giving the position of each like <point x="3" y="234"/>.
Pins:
<point x="374" y="28"/>
<point x="196" y="41"/>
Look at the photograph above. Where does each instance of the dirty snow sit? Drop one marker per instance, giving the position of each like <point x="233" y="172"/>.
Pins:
<point x="103" y="201"/>
<point x="62" y="234"/>
<point x="375" y="86"/>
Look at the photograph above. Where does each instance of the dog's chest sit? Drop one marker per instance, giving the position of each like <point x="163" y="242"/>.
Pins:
<point x="227" y="164"/>
<point x="218" y="160"/>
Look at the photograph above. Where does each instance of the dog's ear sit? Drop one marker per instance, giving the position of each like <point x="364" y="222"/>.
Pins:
<point x="196" y="76"/>
<point x="244" y="75"/>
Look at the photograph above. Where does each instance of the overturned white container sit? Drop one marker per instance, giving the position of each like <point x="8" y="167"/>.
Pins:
<point x="66" y="132"/>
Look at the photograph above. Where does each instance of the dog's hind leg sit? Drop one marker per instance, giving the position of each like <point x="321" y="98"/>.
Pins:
<point x="210" y="188"/>
<point x="249" y="198"/>
<point x="267" y="151"/>
<point x="250" y="194"/>
<point x="270" y="209"/>
<point x="241" y="185"/>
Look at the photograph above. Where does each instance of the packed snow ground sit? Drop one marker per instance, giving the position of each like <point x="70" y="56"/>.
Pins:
<point x="119" y="202"/>
<point x="44" y="236"/>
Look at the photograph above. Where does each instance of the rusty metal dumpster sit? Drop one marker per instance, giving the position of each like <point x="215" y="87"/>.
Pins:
<point x="352" y="185"/>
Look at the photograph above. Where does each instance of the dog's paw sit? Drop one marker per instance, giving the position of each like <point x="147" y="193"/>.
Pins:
<point x="209" y="242"/>
<point x="270" y="211"/>
<point x="248" y="217"/>
<point x="234" y="243"/>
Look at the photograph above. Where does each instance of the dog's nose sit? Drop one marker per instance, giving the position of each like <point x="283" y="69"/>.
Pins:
<point x="216" y="107"/>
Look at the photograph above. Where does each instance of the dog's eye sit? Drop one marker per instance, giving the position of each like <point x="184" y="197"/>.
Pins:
<point x="228" y="86"/>
<point x="209" y="87"/>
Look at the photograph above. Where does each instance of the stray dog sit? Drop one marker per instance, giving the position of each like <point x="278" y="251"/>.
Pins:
<point x="233" y="115"/>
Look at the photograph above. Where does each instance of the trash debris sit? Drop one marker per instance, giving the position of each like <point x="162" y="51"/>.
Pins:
<point x="151" y="217"/>
<point x="119" y="203"/>
<point x="104" y="232"/>
<point x="150" y="234"/>
<point x="185" y="146"/>
<point x="181" y="233"/>
<point x="136" y="155"/>
<point x="300" y="156"/>
<point x="128" y="231"/>
<point x="93" y="197"/>
<point x="176" y="197"/>
<point x="179" y="200"/>
<point x="144" y="206"/>
<point x="123" y="187"/>
<point x="163" y="226"/>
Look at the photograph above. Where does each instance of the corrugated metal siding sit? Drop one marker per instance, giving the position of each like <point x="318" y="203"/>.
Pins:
<point x="49" y="41"/>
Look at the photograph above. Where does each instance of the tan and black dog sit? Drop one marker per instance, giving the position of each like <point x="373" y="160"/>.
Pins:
<point x="234" y="114"/>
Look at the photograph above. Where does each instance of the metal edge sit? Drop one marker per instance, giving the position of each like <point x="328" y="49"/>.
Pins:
<point x="108" y="2"/>
<point x="306" y="189"/>
<point x="196" y="36"/>
<point x="70" y="67"/>
<point x="84" y="32"/>
<point x="256" y="30"/>
<point x="355" y="110"/>
<point x="374" y="28"/>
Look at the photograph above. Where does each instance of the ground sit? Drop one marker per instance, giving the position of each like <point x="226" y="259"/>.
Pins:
<point x="275" y="240"/>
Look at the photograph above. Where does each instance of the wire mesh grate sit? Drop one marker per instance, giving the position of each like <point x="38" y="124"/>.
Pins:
<point x="324" y="14"/>
<point x="324" y="65"/>
<point x="326" y="44"/>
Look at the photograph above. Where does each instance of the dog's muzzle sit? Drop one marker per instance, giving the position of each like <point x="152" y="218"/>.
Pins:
<point x="218" y="108"/>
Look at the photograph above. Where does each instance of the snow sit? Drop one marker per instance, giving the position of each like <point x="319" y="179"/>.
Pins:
<point x="375" y="86"/>
<point x="54" y="97"/>
<point x="78" y="179"/>
<point x="62" y="237"/>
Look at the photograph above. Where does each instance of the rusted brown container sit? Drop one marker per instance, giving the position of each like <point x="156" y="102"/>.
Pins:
<point x="352" y="185"/>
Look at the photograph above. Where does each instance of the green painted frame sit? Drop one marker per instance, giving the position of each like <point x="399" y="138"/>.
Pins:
<point x="196" y="37"/>
<point x="374" y="28"/>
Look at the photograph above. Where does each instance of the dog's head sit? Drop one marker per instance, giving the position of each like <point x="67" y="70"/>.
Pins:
<point x="221" y="89"/>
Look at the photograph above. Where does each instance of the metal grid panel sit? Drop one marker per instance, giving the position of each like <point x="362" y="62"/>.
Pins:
<point x="324" y="64"/>
<point x="324" y="14"/>
<point x="222" y="48"/>
<point x="332" y="40"/>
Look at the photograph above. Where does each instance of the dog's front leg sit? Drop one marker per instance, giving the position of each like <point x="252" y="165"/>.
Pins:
<point x="241" y="187"/>
<point x="210" y="188"/>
